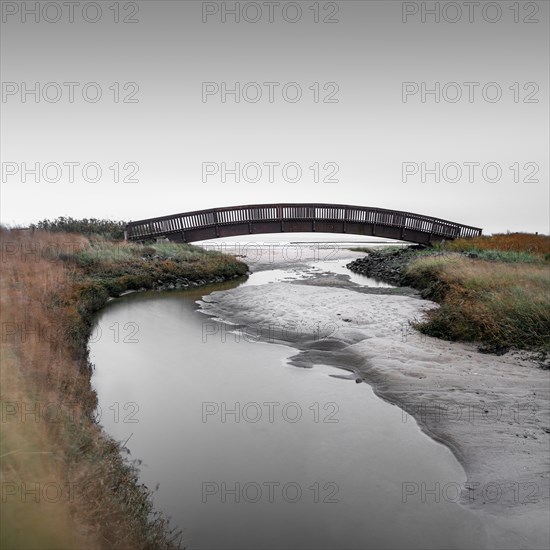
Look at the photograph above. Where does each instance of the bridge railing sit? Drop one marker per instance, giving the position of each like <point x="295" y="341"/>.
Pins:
<point x="166" y="225"/>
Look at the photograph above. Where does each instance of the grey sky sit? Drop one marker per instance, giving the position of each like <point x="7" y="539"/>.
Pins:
<point x="367" y="132"/>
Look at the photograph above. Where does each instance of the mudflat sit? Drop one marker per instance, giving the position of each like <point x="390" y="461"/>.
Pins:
<point x="491" y="411"/>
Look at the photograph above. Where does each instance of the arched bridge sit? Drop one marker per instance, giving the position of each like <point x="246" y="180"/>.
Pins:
<point x="286" y="218"/>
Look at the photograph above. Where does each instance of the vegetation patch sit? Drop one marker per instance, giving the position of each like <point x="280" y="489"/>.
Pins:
<point x="523" y="243"/>
<point x="88" y="227"/>
<point x="67" y="483"/>
<point x="491" y="290"/>
<point x="501" y="305"/>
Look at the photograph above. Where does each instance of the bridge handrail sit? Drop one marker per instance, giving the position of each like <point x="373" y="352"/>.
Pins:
<point x="198" y="219"/>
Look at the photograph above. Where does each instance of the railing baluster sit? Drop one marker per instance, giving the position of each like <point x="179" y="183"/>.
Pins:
<point x="144" y="229"/>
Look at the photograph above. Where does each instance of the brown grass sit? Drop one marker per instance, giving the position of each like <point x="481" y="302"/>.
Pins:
<point x="508" y="242"/>
<point x="87" y="494"/>
<point x="503" y="305"/>
<point x="35" y="371"/>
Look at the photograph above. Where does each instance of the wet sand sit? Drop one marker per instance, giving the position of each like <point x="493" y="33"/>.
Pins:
<point x="492" y="412"/>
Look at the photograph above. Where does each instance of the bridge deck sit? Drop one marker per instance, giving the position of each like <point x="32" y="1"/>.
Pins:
<point x="303" y="217"/>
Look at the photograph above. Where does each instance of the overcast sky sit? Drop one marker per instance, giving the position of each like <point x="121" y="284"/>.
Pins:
<point x="361" y="70"/>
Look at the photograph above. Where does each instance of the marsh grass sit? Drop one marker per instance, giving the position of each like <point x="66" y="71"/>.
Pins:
<point x="500" y="297"/>
<point x="103" y="251"/>
<point x="89" y="227"/>
<point x="50" y="288"/>
<point x="514" y="247"/>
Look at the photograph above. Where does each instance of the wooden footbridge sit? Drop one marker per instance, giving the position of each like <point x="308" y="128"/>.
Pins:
<point x="290" y="218"/>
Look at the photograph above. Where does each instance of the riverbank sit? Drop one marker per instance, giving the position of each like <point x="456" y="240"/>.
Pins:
<point x="494" y="291"/>
<point x="491" y="411"/>
<point x="65" y="483"/>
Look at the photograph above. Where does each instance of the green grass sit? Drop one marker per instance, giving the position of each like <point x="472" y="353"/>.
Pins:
<point x="492" y="255"/>
<point x="88" y="227"/>
<point x="102" y="251"/>
<point x="501" y="304"/>
<point x="105" y="269"/>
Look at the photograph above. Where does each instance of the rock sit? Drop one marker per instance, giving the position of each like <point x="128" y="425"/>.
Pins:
<point x="387" y="266"/>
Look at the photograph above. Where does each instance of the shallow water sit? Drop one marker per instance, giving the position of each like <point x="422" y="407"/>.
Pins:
<point x="250" y="452"/>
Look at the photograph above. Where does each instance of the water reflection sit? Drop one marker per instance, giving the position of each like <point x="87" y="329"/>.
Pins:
<point x="250" y="452"/>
